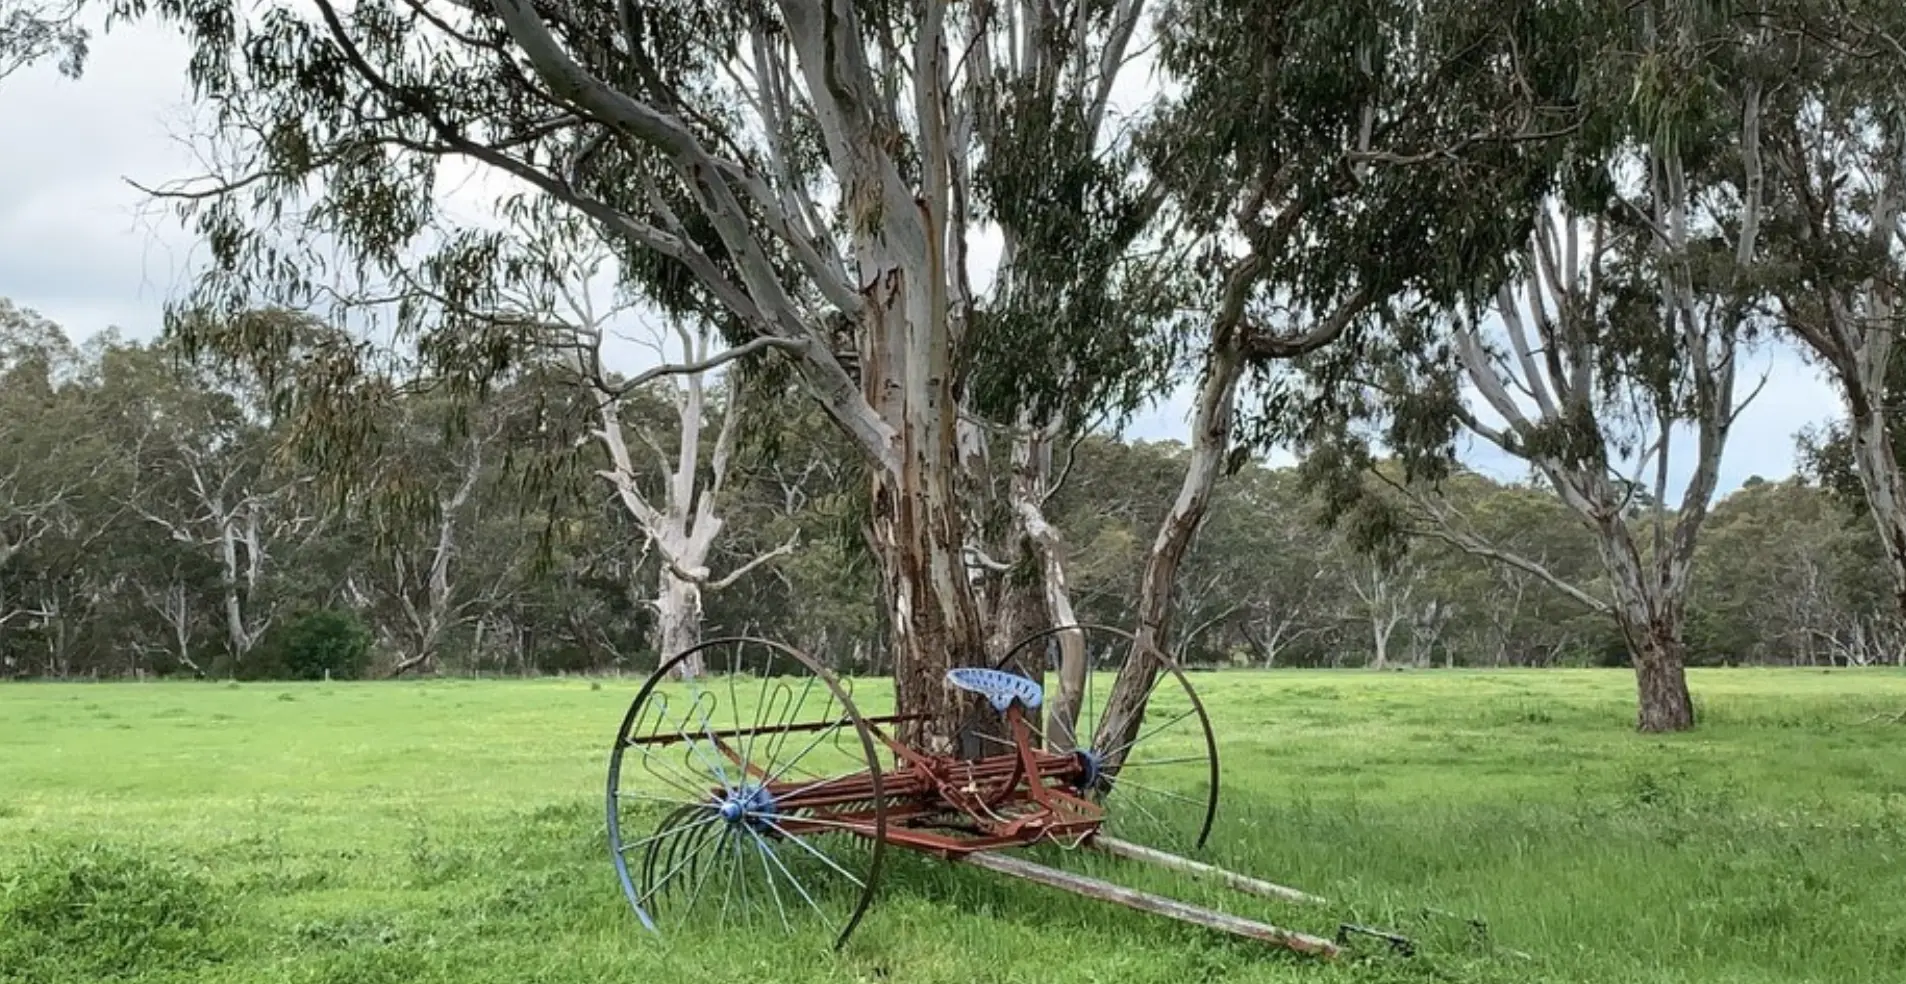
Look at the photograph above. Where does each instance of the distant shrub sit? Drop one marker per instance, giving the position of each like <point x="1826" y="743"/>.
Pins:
<point x="327" y="641"/>
<point x="99" y="913"/>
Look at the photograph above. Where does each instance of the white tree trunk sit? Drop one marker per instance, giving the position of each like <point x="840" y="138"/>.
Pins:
<point x="678" y="622"/>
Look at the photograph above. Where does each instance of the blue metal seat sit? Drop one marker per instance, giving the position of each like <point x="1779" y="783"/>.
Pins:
<point x="999" y="687"/>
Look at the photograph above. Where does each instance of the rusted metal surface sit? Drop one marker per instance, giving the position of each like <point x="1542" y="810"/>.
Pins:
<point x="775" y="729"/>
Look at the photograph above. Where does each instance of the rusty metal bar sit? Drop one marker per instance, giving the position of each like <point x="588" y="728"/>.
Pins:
<point x="775" y="729"/>
<point x="1157" y="904"/>
<point x="1231" y="879"/>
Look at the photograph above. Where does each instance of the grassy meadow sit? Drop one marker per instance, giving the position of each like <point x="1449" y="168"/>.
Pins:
<point x="452" y="831"/>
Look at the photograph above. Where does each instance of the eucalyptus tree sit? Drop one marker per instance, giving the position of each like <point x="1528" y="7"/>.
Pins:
<point x="802" y="172"/>
<point x="1835" y="141"/>
<point x="668" y="437"/>
<point x="1621" y="328"/>
<point x="426" y="575"/>
<point x="203" y="477"/>
<point x="1313" y="153"/>
<point x="58" y="469"/>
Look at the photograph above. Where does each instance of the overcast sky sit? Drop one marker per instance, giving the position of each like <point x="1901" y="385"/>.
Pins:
<point x="78" y="244"/>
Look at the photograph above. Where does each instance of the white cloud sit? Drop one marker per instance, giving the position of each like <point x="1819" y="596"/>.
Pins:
<point x="76" y="242"/>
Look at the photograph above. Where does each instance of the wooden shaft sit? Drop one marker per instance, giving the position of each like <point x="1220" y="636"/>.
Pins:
<point x="1231" y="879"/>
<point x="1147" y="902"/>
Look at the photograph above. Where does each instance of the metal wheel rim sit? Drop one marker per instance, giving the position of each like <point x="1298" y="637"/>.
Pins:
<point x="1167" y="664"/>
<point x="661" y="674"/>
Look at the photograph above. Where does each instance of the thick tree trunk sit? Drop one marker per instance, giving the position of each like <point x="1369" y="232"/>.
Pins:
<point x="1380" y="639"/>
<point x="1651" y="623"/>
<point x="934" y="619"/>
<point x="678" y="622"/>
<point x="918" y="527"/>
<point x="1661" y="682"/>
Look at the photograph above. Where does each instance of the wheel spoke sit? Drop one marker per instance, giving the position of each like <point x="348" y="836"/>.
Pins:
<point x="809" y="848"/>
<point x="697" y="825"/>
<point x="768" y="873"/>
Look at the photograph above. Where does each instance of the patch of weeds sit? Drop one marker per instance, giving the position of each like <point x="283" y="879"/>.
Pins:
<point x="232" y="685"/>
<point x="286" y="697"/>
<point x="595" y="685"/>
<point x="348" y="932"/>
<point x="8" y="810"/>
<point x="1657" y="790"/>
<point x="433" y="864"/>
<point x="98" y="912"/>
<point x="371" y="965"/>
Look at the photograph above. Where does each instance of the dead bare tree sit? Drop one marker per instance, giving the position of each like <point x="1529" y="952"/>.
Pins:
<point x="672" y="485"/>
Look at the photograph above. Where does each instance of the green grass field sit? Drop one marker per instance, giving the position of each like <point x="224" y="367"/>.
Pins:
<point x="452" y="831"/>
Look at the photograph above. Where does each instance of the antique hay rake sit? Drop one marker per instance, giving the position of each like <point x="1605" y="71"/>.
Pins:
<point x="766" y="792"/>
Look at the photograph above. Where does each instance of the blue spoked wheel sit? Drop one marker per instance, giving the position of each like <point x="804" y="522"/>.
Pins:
<point x="1154" y="768"/>
<point x="715" y="745"/>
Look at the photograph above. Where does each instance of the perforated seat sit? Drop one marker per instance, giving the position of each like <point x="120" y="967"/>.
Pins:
<point x="999" y="687"/>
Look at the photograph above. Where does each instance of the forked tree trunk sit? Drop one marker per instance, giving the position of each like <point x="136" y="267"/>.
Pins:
<point x="1651" y="619"/>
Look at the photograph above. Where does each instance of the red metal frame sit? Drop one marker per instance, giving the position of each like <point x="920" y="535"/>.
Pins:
<point x="941" y="805"/>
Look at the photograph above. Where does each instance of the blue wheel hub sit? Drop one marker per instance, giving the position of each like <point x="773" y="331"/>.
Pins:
<point x="751" y="804"/>
<point x="1089" y="763"/>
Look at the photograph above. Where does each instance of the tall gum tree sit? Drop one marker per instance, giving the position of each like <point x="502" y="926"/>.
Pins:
<point x="1835" y="144"/>
<point x="662" y="467"/>
<point x="1620" y="329"/>
<point x="799" y="170"/>
<point x="1311" y="152"/>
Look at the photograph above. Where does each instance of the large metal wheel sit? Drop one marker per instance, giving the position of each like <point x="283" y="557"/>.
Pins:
<point x="707" y="781"/>
<point x="1163" y="765"/>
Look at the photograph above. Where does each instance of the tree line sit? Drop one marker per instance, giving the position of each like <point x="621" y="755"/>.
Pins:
<point x="150" y="524"/>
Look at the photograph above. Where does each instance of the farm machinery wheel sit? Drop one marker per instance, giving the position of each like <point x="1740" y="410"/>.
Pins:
<point x="1163" y="766"/>
<point x="711" y="786"/>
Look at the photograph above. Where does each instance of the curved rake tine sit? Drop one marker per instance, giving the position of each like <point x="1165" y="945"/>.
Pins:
<point x="765" y="717"/>
<point x="701" y="873"/>
<point x="779" y="741"/>
<point x="654" y="764"/>
<point x="698" y="839"/>
<point x="715" y="768"/>
<point x="685" y="828"/>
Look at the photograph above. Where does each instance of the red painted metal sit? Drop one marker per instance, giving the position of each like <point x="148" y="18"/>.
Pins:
<point x="941" y="805"/>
